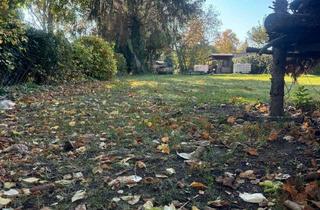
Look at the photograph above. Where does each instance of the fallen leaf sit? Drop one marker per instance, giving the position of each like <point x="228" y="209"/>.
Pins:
<point x="198" y="186"/>
<point x="290" y="189"/>
<point x="42" y="187"/>
<point x="30" y="180"/>
<point x="125" y="180"/>
<point x="4" y="201"/>
<point x="164" y="148"/>
<point x="249" y="174"/>
<point x="195" y="208"/>
<point x="253" y="198"/>
<point x="72" y="123"/>
<point x="205" y="135"/>
<point x="79" y="195"/>
<point x="165" y="139"/>
<point x="292" y="205"/>
<point x="186" y="156"/>
<point x="227" y="180"/>
<point x="252" y="152"/>
<point x="11" y="193"/>
<point x="270" y="186"/>
<point x="170" y="171"/>
<point x="273" y="136"/>
<point x="171" y="207"/>
<point x="231" y="120"/>
<point x="141" y="164"/>
<point x="161" y="176"/>
<point x="148" y="205"/>
<point x="9" y="185"/>
<point x="218" y="203"/>
<point x="131" y="199"/>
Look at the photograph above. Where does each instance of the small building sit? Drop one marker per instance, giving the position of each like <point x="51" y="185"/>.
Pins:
<point x="242" y="68"/>
<point x="222" y="63"/>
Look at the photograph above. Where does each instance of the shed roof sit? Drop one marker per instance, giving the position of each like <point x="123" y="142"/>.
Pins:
<point x="222" y="55"/>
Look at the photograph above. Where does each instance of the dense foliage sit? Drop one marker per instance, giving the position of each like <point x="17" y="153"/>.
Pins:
<point x="122" y="66"/>
<point x="95" y="57"/>
<point x="12" y="47"/>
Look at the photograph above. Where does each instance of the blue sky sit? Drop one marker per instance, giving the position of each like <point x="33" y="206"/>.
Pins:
<point x="241" y="15"/>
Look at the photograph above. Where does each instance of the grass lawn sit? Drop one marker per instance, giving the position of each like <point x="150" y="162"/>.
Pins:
<point x="81" y="137"/>
<point x="218" y="89"/>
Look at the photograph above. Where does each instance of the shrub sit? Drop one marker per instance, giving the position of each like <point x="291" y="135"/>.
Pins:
<point x="41" y="61"/>
<point x="41" y="58"/>
<point x="95" y="57"/>
<point x="259" y="64"/>
<point x="303" y="100"/>
<point x="12" y="48"/>
<point x="122" y="66"/>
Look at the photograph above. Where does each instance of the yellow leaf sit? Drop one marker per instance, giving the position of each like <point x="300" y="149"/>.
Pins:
<point x="164" y="148"/>
<point x="165" y="139"/>
<point x="195" y="208"/>
<point x="72" y="123"/>
<point x="55" y="127"/>
<point x="198" y="186"/>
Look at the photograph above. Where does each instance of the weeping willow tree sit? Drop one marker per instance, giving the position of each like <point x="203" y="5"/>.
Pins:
<point x="141" y="28"/>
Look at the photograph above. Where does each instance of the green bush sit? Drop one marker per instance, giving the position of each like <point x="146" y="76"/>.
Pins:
<point x="259" y="64"/>
<point x="40" y="58"/>
<point x="94" y="57"/>
<point x="122" y="66"/>
<point x="12" y="47"/>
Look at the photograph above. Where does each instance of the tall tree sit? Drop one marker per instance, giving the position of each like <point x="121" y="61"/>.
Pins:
<point x="258" y="36"/>
<point x="195" y="43"/>
<point x="49" y="15"/>
<point x="132" y="23"/>
<point x="227" y="42"/>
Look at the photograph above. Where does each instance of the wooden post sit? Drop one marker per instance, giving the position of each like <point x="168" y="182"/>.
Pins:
<point x="277" y="81"/>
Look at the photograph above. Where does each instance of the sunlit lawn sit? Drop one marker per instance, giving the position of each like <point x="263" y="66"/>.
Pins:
<point x="217" y="89"/>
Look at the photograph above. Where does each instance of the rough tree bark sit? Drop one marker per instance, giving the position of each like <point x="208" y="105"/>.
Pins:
<point x="277" y="81"/>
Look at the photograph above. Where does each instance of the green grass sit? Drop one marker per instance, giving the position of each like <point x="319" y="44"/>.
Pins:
<point x="130" y="113"/>
<point x="218" y="89"/>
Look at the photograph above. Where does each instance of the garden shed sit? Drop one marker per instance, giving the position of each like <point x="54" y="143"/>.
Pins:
<point x="222" y="63"/>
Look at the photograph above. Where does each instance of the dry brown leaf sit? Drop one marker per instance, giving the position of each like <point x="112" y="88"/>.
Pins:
<point x="198" y="186"/>
<point x="252" y="151"/>
<point x="205" y="135"/>
<point x="290" y="189"/>
<point x="273" y="135"/>
<point x="141" y="164"/>
<point x="312" y="189"/>
<point x="174" y="126"/>
<point x="218" y="203"/>
<point x="231" y="120"/>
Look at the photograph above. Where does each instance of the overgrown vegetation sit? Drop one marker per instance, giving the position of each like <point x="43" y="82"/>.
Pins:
<point x="95" y="58"/>
<point x="303" y="99"/>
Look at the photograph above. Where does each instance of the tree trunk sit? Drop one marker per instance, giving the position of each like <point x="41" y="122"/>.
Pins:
<point x="277" y="81"/>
